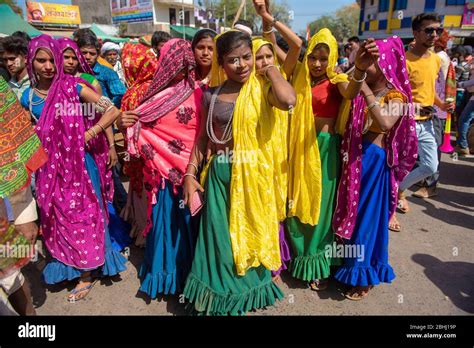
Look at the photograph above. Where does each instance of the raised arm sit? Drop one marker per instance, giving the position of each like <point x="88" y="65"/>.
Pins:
<point x="384" y="120"/>
<point x="294" y="42"/>
<point x="366" y="56"/>
<point x="281" y="95"/>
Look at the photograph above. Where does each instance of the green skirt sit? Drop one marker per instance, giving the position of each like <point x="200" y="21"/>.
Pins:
<point x="310" y="244"/>
<point x="213" y="286"/>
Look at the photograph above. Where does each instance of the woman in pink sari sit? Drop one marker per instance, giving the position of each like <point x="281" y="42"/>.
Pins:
<point x="378" y="150"/>
<point x="73" y="186"/>
<point x="168" y="121"/>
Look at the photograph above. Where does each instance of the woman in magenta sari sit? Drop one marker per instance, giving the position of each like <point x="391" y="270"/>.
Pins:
<point x="379" y="149"/>
<point x="73" y="186"/>
<point x="168" y="121"/>
<point x="75" y="64"/>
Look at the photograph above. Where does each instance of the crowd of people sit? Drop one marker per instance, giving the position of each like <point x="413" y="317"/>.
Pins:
<point x="245" y="155"/>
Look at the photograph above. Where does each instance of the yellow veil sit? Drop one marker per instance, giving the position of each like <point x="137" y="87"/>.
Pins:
<point x="254" y="218"/>
<point x="304" y="184"/>
<point x="279" y="137"/>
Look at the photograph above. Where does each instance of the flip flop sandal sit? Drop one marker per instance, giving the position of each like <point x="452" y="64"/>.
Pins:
<point x="360" y="295"/>
<point x="318" y="284"/>
<point x="75" y="291"/>
<point x="403" y="208"/>
<point x="395" y="226"/>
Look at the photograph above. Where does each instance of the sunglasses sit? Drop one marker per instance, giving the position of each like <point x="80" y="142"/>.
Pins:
<point x="430" y="31"/>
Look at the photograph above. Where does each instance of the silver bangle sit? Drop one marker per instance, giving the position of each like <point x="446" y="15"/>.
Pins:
<point x="190" y="174"/>
<point x="195" y="166"/>
<point x="362" y="80"/>
<point x="103" y="105"/>
<point x="371" y="106"/>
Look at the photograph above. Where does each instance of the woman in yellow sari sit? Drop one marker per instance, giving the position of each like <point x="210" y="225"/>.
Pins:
<point x="320" y="111"/>
<point x="267" y="53"/>
<point x="238" y="240"/>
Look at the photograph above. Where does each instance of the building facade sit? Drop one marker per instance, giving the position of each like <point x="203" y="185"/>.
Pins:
<point x="381" y="18"/>
<point x="165" y="13"/>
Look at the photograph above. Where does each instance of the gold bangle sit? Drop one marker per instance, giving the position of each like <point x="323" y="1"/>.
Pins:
<point x="93" y="131"/>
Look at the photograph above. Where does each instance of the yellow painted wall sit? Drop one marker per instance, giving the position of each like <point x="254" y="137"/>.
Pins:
<point x="452" y="21"/>
<point x="374" y="25"/>
<point x="395" y="23"/>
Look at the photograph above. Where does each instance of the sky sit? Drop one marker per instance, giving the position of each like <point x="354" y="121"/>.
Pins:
<point x="305" y="10"/>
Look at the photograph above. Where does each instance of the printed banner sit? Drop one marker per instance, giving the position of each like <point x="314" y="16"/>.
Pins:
<point x="468" y="18"/>
<point x="42" y="12"/>
<point x="131" y="10"/>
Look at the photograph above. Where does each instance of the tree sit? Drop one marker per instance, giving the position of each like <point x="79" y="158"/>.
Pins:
<point x="13" y="5"/>
<point x="343" y="24"/>
<point x="279" y="10"/>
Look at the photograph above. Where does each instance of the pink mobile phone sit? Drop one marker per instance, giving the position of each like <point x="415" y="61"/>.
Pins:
<point x="196" y="203"/>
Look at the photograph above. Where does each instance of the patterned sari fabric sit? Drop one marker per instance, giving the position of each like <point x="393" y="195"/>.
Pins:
<point x="401" y="143"/>
<point x="169" y="119"/>
<point x="21" y="153"/>
<point x="71" y="214"/>
<point x="139" y="66"/>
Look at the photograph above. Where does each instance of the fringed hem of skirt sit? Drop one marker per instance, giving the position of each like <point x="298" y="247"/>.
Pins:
<point x="114" y="263"/>
<point x="311" y="267"/>
<point x="365" y="276"/>
<point x="55" y="272"/>
<point x="153" y="284"/>
<point x="207" y="301"/>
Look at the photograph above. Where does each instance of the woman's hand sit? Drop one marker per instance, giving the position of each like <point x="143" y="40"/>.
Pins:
<point x="113" y="158"/>
<point x="261" y="7"/>
<point x="87" y="137"/>
<point x="127" y="119"/>
<point x="190" y="186"/>
<point x="367" y="55"/>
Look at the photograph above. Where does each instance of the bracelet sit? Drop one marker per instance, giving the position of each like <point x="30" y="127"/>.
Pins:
<point x="274" y="21"/>
<point x="190" y="174"/>
<point x="268" y="67"/>
<point x="111" y="145"/>
<point x="355" y="66"/>
<point x="93" y="131"/>
<point x="360" y="81"/>
<point x="371" y="106"/>
<point x="194" y="165"/>
<point x="88" y="132"/>
<point x="269" y="31"/>
<point x="368" y="95"/>
<point x="98" y="124"/>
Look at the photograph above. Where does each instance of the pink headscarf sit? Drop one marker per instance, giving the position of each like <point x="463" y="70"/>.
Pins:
<point x="65" y="43"/>
<point x="401" y="143"/>
<point x="71" y="216"/>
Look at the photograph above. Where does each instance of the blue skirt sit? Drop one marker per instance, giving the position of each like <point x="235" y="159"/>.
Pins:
<point x="56" y="271"/>
<point x="170" y="244"/>
<point x="119" y="230"/>
<point x="368" y="262"/>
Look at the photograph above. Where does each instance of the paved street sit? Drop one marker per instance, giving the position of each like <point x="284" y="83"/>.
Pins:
<point x="433" y="258"/>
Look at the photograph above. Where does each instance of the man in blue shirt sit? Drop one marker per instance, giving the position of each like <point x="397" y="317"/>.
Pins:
<point x="110" y="82"/>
